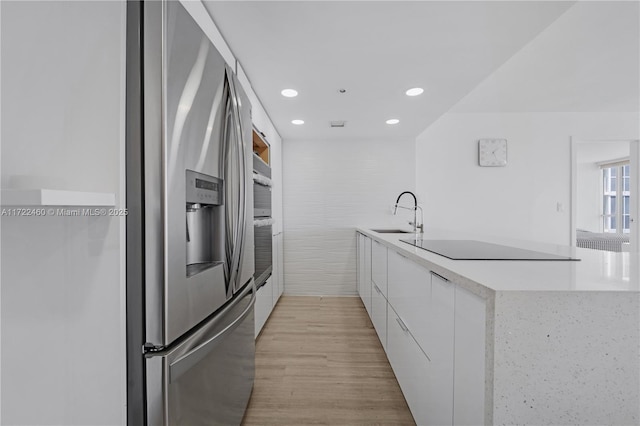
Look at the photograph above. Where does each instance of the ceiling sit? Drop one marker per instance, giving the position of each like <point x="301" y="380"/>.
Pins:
<point x="587" y="61"/>
<point x="375" y="50"/>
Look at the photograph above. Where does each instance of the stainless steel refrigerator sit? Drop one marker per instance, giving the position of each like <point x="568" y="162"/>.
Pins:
<point x="190" y="291"/>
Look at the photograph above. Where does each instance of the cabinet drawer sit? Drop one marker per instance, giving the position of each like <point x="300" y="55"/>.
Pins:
<point x="411" y="367"/>
<point x="379" y="266"/>
<point x="379" y="314"/>
<point x="410" y="296"/>
<point x="427" y="388"/>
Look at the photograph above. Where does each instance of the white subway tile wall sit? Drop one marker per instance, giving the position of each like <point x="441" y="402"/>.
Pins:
<point x="331" y="187"/>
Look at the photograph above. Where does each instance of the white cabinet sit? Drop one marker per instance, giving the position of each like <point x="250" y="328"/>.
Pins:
<point x="379" y="266"/>
<point x="275" y="157"/>
<point x="277" y="274"/>
<point x="364" y="287"/>
<point x="411" y="367"/>
<point x="379" y="290"/>
<point x="379" y="313"/>
<point x="410" y="295"/>
<point x="439" y="346"/>
<point x="263" y="305"/>
<point x="280" y="264"/>
<point x="433" y="331"/>
<point x="424" y="303"/>
<point x="270" y="150"/>
<point x="360" y="261"/>
<point x="469" y="360"/>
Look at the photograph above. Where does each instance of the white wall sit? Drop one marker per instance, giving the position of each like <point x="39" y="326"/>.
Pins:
<point x="62" y="307"/>
<point x="517" y="201"/>
<point x="331" y="187"/>
<point x="589" y="180"/>
<point x="577" y="80"/>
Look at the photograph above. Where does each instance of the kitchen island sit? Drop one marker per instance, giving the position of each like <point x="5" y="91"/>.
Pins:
<point x="504" y="341"/>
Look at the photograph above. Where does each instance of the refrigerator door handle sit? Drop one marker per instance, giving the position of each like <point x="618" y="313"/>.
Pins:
<point x="242" y="211"/>
<point x="232" y="204"/>
<point x="184" y="363"/>
<point x="240" y="170"/>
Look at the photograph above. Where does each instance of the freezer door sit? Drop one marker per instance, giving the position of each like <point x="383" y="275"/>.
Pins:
<point x="208" y="378"/>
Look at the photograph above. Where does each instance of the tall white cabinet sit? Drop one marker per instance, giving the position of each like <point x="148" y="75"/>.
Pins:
<point x="269" y="294"/>
<point x="276" y="206"/>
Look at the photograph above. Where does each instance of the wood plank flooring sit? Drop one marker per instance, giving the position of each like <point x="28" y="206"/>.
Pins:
<point x="319" y="362"/>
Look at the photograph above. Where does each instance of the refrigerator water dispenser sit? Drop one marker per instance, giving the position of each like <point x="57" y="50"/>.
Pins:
<point x="205" y="221"/>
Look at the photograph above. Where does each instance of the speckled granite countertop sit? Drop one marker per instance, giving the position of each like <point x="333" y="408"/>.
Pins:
<point x="596" y="271"/>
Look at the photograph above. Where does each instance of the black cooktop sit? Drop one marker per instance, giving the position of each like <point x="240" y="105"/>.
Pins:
<point x="479" y="250"/>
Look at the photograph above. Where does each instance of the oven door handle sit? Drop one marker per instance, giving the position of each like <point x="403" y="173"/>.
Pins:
<point x="262" y="180"/>
<point x="259" y="223"/>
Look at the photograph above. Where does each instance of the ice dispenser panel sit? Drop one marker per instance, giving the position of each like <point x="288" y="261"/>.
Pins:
<point x="205" y="222"/>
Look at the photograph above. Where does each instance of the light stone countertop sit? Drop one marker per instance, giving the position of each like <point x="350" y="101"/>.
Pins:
<point x="596" y="271"/>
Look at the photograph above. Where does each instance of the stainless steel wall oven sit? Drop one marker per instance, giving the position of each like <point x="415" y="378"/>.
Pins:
<point x="262" y="221"/>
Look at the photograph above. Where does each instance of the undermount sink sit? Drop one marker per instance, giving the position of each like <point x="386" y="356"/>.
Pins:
<point x="392" y="231"/>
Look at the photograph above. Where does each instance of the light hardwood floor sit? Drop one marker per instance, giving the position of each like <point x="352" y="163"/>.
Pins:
<point x="319" y="362"/>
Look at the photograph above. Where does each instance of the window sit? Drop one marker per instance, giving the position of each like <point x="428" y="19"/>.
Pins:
<point x="616" y="193"/>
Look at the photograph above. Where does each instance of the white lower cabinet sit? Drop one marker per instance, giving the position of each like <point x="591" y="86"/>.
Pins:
<point x="263" y="305"/>
<point x="364" y="278"/>
<point x="440" y="330"/>
<point x="267" y="296"/>
<point x="360" y="262"/>
<point x="379" y="313"/>
<point x="433" y="332"/>
<point x="379" y="266"/>
<point x="411" y="367"/>
<point x="469" y="359"/>
<point x="409" y="287"/>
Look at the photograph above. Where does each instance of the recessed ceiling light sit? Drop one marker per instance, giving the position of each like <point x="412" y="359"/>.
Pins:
<point x="393" y="121"/>
<point x="415" y="91"/>
<point x="298" y="122"/>
<point x="289" y="93"/>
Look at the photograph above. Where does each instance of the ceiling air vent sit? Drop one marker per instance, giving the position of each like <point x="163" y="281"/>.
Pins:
<point x="337" y="123"/>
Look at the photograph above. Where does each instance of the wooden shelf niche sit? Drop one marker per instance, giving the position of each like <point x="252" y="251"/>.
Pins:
<point x="260" y="146"/>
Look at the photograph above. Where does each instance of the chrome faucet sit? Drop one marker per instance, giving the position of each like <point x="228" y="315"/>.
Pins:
<point x="415" y="212"/>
